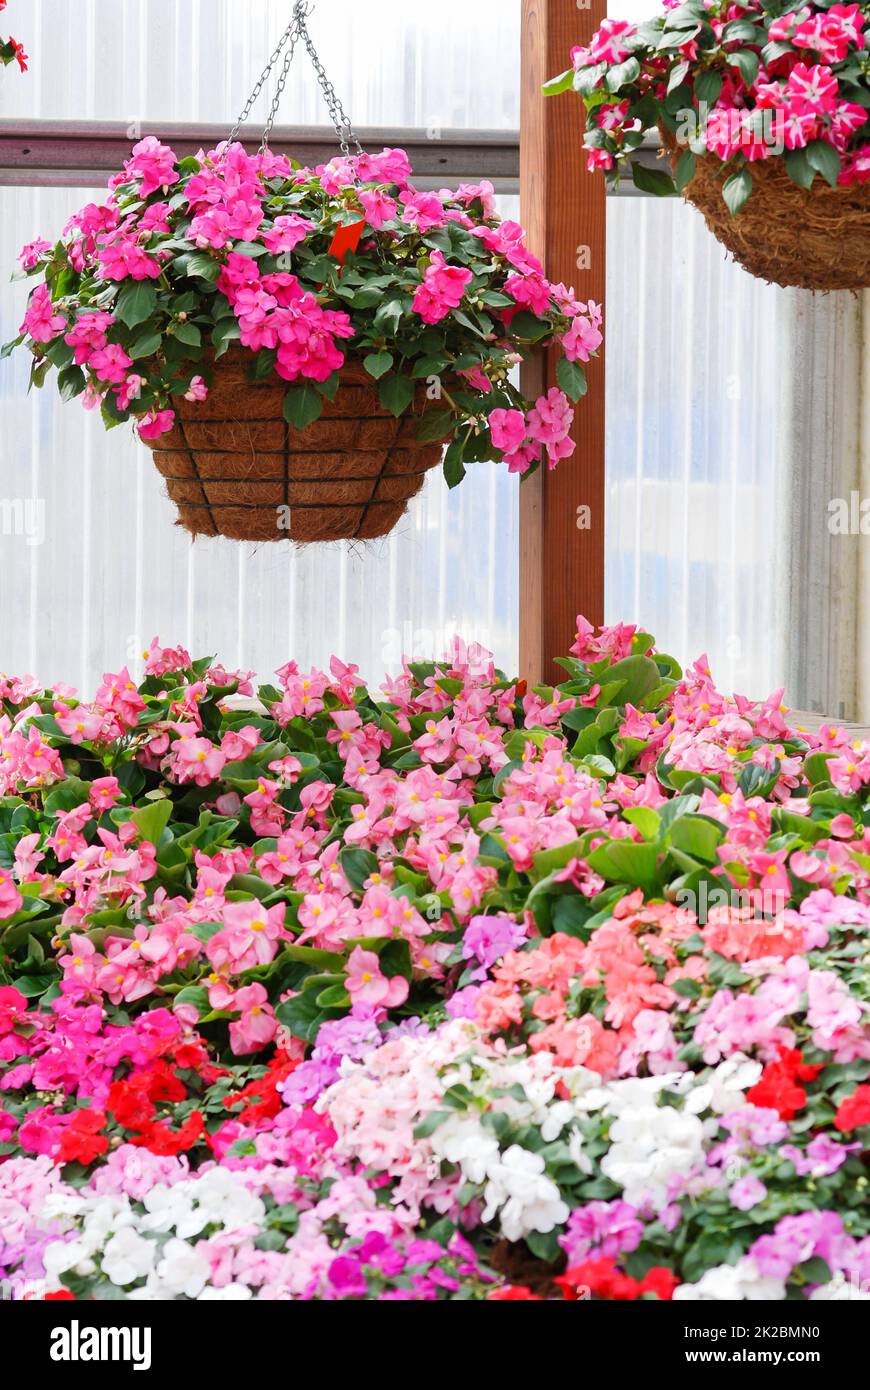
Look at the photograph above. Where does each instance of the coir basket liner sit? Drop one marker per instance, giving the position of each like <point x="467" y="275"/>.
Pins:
<point x="234" y="467"/>
<point x="815" y="238"/>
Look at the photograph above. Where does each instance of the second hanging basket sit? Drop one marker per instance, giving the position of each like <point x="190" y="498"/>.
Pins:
<point x="814" y="238"/>
<point x="234" y="467"/>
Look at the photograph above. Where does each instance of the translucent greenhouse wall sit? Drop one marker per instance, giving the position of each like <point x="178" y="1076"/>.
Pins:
<point x="696" y="463"/>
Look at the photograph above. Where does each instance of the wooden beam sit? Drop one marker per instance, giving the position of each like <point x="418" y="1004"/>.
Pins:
<point x="85" y="153"/>
<point x="563" y="210"/>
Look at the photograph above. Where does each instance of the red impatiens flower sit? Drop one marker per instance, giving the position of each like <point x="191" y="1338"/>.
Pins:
<point x="59" y="1295"/>
<point x="82" y="1140"/>
<point x="19" y="54"/>
<point x="854" y="1111"/>
<point x="131" y="1105"/>
<point x="166" y="1142"/>
<point x="263" y="1095"/>
<point x="602" y="1278"/>
<point x="661" y="1281"/>
<point x="778" y="1088"/>
<point x="513" y="1293"/>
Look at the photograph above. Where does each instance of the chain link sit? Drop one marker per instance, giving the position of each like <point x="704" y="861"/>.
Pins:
<point x="297" y="30"/>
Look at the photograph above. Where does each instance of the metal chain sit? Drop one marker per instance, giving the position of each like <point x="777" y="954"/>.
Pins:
<point x="245" y="112"/>
<point x="297" y="29"/>
<point x="340" y="120"/>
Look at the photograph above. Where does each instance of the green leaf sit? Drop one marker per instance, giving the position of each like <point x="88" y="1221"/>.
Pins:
<point x="377" y="364"/>
<point x="525" y="324"/>
<point x="622" y="74"/>
<point x="357" y="865"/>
<point x="145" y="345"/>
<point x="435" y="424"/>
<point x="747" y="64"/>
<point x="639" y="675"/>
<point x="136" y="302"/>
<point x="563" y="83"/>
<point x="188" y="333"/>
<point x="653" y="181"/>
<point x="199" y="263"/>
<point x="736" y="189"/>
<point x="825" y="160"/>
<point x="152" y="820"/>
<point x="798" y="168"/>
<point x="430" y="1123"/>
<point x="572" y="378"/>
<point x="625" y="861"/>
<point x="396" y="393"/>
<point x="224" y="332"/>
<point x="708" y="87"/>
<point x="698" y="837"/>
<point x="685" y="170"/>
<point x="302" y="406"/>
<point x="70" y="382"/>
<point x="454" y="468"/>
<point x="249" y="248"/>
<point x="388" y="316"/>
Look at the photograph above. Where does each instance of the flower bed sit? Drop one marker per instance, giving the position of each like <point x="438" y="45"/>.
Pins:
<point x="452" y="990"/>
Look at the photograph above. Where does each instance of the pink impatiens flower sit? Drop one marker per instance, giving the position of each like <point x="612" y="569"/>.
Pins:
<point x="30" y="254"/>
<point x="366" y="984"/>
<point x="155" y="423"/>
<point x="442" y="289"/>
<point x="40" y="320"/>
<point x="286" y="232"/>
<point x="153" y="164"/>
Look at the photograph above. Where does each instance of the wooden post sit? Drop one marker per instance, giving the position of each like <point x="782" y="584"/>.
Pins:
<point x="563" y="210"/>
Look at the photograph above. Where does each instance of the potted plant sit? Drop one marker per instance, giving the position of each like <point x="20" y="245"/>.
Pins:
<point x="295" y="344"/>
<point x="763" y="108"/>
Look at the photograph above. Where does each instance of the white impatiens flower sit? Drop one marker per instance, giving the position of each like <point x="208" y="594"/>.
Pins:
<point x="730" y="1283"/>
<point x="106" y="1215"/>
<point x="128" y="1257"/>
<point x="462" y="1140"/>
<point x="166" y="1207"/>
<point x="578" y="1155"/>
<point x="650" y="1145"/>
<point x="63" y="1255"/>
<point x="229" y="1293"/>
<point x="841" y="1290"/>
<point x="724" y="1088"/>
<point x="560" y="1114"/>
<point x="222" y="1200"/>
<point x="525" y="1198"/>
<point x="183" y="1270"/>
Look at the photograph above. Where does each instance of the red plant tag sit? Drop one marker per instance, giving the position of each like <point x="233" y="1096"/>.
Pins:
<point x="346" y="239"/>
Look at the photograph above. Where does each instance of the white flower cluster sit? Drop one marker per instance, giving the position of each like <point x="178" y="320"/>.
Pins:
<point x="129" y="1245"/>
<point x="732" y="1283"/>
<point x="377" y="1105"/>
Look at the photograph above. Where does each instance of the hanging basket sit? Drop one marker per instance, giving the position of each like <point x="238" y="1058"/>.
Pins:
<point x="234" y="467"/>
<point x="814" y="238"/>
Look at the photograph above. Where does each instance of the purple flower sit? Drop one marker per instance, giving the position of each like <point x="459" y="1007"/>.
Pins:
<point x="463" y="1004"/>
<point x="488" y="938"/>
